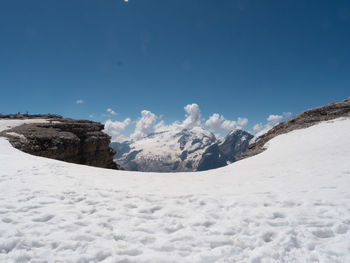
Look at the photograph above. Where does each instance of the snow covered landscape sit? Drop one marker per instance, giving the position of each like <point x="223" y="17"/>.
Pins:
<point x="174" y="131"/>
<point x="290" y="203"/>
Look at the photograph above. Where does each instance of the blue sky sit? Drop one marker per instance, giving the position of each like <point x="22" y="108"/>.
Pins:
<point x="238" y="58"/>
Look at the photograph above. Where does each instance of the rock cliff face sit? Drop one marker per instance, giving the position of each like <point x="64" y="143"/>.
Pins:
<point x="302" y="120"/>
<point x="75" y="141"/>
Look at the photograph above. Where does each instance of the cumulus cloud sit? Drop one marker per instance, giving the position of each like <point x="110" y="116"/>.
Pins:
<point x="262" y="130"/>
<point x="149" y="123"/>
<point x="258" y="127"/>
<point x="145" y="125"/>
<point x="272" y="120"/>
<point x="217" y="122"/>
<point x="228" y="125"/>
<point x="242" y="122"/>
<point x="80" y="101"/>
<point x="110" y="111"/>
<point x="193" y="116"/>
<point x="287" y="114"/>
<point x="114" y="128"/>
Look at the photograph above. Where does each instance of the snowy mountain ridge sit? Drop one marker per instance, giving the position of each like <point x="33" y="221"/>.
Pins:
<point x="171" y="150"/>
<point x="179" y="150"/>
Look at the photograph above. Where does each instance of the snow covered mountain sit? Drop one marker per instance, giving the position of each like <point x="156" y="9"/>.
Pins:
<point x="181" y="151"/>
<point x="289" y="203"/>
<point x="167" y="151"/>
<point x="225" y="152"/>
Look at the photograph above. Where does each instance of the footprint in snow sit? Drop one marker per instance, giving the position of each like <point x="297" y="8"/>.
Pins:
<point x="323" y="233"/>
<point x="276" y="215"/>
<point x="268" y="236"/>
<point x="44" y="218"/>
<point x="130" y="252"/>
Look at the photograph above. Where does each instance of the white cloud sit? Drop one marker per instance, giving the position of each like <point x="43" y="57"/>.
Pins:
<point x="145" y="125"/>
<point x="110" y="111"/>
<point x="193" y="116"/>
<point x="287" y="114"/>
<point x="258" y="127"/>
<point x="263" y="130"/>
<point x="242" y="122"/>
<point x="114" y="128"/>
<point x="274" y="118"/>
<point x="149" y="123"/>
<point x="80" y="101"/>
<point x="229" y="125"/>
<point x="272" y="121"/>
<point x="217" y="122"/>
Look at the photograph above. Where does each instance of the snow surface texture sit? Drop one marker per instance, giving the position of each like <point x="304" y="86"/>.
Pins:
<point x="290" y="203"/>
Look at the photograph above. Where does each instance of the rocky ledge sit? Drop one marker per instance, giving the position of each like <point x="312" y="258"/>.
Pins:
<point x="74" y="141"/>
<point x="302" y="120"/>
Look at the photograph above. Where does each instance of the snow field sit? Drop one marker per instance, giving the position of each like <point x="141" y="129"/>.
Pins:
<point x="289" y="204"/>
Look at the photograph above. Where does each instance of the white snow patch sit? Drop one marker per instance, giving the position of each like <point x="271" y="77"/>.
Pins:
<point x="15" y="134"/>
<point x="8" y="124"/>
<point x="290" y="203"/>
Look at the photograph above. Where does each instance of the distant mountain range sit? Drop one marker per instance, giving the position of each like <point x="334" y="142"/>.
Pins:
<point x="187" y="150"/>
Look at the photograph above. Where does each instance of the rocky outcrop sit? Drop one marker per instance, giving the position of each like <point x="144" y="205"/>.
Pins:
<point x="75" y="141"/>
<point x="302" y="120"/>
<point x="23" y="116"/>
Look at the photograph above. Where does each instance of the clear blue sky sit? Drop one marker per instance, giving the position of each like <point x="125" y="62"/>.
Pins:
<point x="234" y="57"/>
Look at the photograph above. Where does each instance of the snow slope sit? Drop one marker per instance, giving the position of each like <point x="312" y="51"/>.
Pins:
<point x="290" y="203"/>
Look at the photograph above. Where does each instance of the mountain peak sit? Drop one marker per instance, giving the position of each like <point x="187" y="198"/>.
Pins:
<point x="175" y="150"/>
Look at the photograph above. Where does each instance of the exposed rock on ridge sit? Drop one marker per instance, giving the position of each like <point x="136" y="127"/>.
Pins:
<point x="75" y="141"/>
<point x="300" y="121"/>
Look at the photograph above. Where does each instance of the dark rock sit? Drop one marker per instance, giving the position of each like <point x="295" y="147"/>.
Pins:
<point x="302" y="120"/>
<point x="132" y="156"/>
<point x="183" y="155"/>
<point x="228" y="151"/>
<point x="234" y="145"/>
<point x="20" y="116"/>
<point x="75" y="141"/>
<point x="211" y="159"/>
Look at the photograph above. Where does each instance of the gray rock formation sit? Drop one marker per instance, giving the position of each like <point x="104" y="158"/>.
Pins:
<point x="23" y="116"/>
<point x="302" y="120"/>
<point x="75" y="141"/>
